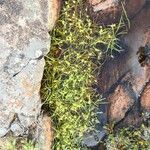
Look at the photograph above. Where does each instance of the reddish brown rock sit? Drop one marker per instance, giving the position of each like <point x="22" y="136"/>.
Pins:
<point x="126" y="65"/>
<point x="138" y="79"/>
<point x="126" y="68"/>
<point x="121" y="100"/>
<point x="145" y="98"/>
<point x="45" y="134"/>
<point x="132" y="118"/>
<point x="94" y="2"/>
<point x="109" y="11"/>
<point x="138" y="36"/>
<point x="55" y="6"/>
<point x="113" y="70"/>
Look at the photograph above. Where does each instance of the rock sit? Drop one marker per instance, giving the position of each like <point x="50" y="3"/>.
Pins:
<point x="109" y="11"/>
<point x="3" y="131"/>
<point x="125" y="68"/>
<point x="17" y="129"/>
<point x="137" y="79"/>
<point x="113" y="71"/>
<point x="132" y="118"/>
<point x="92" y="139"/>
<point x="24" y="41"/>
<point x="121" y="101"/>
<point x="6" y="118"/>
<point x="126" y="63"/>
<point x="138" y="36"/>
<point x="55" y="6"/>
<point x="145" y="98"/>
<point x="45" y="133"/>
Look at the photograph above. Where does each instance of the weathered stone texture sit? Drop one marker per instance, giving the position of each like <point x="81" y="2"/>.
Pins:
<point x="24" y="41"/>
<point x="120" y="102"/>
<point x="125" y="68"/>
<point x="107" y="12"/>
<point x="145" y="99"/>
<point x="45" y="132"/>
<point x="55" y="5"/>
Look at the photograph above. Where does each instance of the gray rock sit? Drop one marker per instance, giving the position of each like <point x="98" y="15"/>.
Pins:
<point x="17" y="129"/>
<point x="3" y="131"/>
<point x="24" y="41"/>
<point x="93" y="138"/>
<point x="6" y="116"/>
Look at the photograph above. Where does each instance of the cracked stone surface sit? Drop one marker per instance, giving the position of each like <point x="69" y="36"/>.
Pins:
<point x="145" y="98"/>
<point x="126" y="68"/>
<point x="24" y="41"/>
<point x="106" y="12"/>
<point x="120" y="101"/>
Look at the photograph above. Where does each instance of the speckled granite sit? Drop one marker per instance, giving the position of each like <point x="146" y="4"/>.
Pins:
<point x="24" y="41"/>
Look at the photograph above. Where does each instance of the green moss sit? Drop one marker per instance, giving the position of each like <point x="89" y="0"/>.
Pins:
<point x="18" y="144"/>
<point x="71" y="70"/>
<point x="129" y="139"/>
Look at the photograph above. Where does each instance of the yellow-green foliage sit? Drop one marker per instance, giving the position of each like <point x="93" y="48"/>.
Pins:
<point x="16" y="144"/>
<point x="71" y="70"/>
<point x="129" y="139"/>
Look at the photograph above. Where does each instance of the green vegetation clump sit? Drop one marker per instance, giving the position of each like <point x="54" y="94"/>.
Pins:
<point x="71" y="70"/>
<point x="129" y="139"/>
<point x="18" y="144"/>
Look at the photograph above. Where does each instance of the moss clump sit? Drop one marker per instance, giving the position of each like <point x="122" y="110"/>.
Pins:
<point x="129" y="139"/>
<point x="18" y="144"/>
<point x="71" y="70"/>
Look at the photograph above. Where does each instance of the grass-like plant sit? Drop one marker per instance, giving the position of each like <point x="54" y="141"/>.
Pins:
<point x="129" y="139"/>
<point x="70" y="72"/>
<point x="16" y="144"/>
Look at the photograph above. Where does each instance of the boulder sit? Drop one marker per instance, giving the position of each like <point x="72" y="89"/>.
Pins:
<point x="126" y="68"/>
<point x="125" y="65"/>
<point x="24" y="41"/>
<point x="138" y="36"/>
<point x="106" y="12"/>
